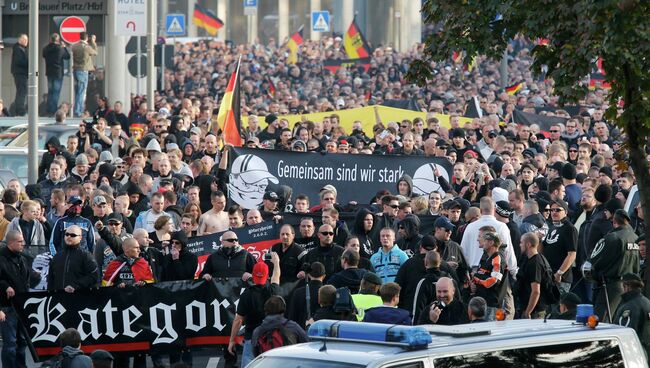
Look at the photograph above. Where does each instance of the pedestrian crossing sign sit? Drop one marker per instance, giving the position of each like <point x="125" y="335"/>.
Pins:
<point x="320" y="21"/>
<point x="175" y="25"/>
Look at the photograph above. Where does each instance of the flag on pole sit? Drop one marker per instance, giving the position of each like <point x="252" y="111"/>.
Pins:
<point x="271" y="89"/>
<point x="355" y="44"/>
<point x="294" y="45"/>
<point x="206" y="19"/>
<point x="229" y="117"/>
<point x="457" y="57"/>
<point x="511" y="90"/>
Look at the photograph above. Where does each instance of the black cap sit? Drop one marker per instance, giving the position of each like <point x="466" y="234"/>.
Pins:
<point x="101" y="355"/>
<point x="570" y="299"/>
<point x="271" y="196"/>
<point x="458" y="132"/>
<point x="557" y="166"/>
<point x="114" y="217"/>
<point x="372" y="278"/>
<point x="442" y="143"/>
<point x="75" y="200"/>
<point x="317" y="270"/>
<point x="529" y="152"/>
<point x="631" y="277"/>
<point x="270" y="118"/>
<point x="502" y="208"/>
<point x="607" y="171"/>
<point x="614" y="205"/>
<point x="569" y="171"/>
<point x="428" y="242"/>
<point x="621" y="213"/>
<point x="561" y="203"/>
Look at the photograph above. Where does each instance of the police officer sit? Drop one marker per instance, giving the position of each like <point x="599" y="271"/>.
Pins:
<point x="634" y="310"/>
<point x="614" y="255"/>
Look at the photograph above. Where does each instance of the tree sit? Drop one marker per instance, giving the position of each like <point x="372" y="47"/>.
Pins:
<point x="579" y="31"/>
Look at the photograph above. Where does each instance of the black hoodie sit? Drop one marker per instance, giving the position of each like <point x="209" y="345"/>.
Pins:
<point x="48" y="157"/>
<point x="350" y="278"/>
<point x="369" y="240"/>
<point x="412" y="237"/>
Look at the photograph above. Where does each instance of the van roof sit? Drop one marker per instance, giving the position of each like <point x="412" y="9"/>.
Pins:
<point x="444" y="337"/>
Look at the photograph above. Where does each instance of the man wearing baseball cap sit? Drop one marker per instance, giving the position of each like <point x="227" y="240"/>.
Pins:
<point x="73" y="217"/>
<point x="250" y="310"/>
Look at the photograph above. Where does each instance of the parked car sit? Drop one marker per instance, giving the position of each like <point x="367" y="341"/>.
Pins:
<point x="45" y="132"/>
<point x="14" y="160"/>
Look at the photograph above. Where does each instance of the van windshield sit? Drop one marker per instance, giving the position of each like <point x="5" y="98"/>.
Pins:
<point x="297" y="362"/>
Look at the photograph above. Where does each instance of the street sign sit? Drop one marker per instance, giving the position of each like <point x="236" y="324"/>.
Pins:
<point x="175" y="24"/>
<point x="132" y="66"/>
<point x="250" y="7"/>
<point x="320" y="21"/>
<point x="130" y="18"/>
<point x="71" y="28"/>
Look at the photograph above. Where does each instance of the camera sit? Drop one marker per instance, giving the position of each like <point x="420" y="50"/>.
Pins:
<point x="266" y="256"/>
<point x="440" y="304"/>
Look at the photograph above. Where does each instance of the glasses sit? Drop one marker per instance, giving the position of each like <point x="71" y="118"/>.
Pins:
<point x="176" y="242"/>
<point x="546" y="210"/>
<point x="394" y="206"/>
<point x="557" y="210"/>
<point x="573" y="151"/>
<point x="114" y="223"/>
<point x="327" y="233"/>
<point x="554" y="131"/>
<point x="404" y="126"/>
<point x="232" y="240"/>
<point x="401" y="226"/>
<point x="71" y="235"/>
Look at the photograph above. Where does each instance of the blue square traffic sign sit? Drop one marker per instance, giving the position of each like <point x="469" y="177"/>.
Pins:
<point x="320" y="21"/>
<point x="175" y="24"/>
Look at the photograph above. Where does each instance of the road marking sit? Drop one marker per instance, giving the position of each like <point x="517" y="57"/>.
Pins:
<point x="213" y="363"/>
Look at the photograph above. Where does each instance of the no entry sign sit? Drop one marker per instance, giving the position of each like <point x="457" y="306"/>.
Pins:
<point x="70" y="29"/>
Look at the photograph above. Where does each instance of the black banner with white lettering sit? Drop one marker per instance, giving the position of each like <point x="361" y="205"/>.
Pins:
<point x="357" y="177"/>
<point x="152" y="318"/>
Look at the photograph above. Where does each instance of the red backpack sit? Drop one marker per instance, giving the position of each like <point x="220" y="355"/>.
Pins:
<point x="275" y="338"/>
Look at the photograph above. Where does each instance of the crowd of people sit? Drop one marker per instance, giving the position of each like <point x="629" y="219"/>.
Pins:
<point x="530" y="224"/>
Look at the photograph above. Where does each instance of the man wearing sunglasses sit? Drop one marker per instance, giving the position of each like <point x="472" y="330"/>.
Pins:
<point x="560" y="245"/>
<point x="73" y="268"/>
<point x="327" y="252"/>
<point x="230" y="260"/>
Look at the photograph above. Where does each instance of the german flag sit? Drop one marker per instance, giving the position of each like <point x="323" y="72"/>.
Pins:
<point x="355" y="44"/>
<point x="206" y="19"/>
<point x="511" y="90"/>
<point x="294" y="45"/>
<point x="457" y="57"/>
<point x="271" y="89"/>
<point x="229" y="117"/>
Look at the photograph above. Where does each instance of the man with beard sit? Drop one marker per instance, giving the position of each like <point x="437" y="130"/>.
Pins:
<point x="409" y="234"/>
<point x="73" y="217"/>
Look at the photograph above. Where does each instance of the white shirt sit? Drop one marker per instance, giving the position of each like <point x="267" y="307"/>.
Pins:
<point x="471" y="248"/>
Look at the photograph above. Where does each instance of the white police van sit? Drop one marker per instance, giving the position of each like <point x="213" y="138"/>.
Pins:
<point x="501" y="344"/>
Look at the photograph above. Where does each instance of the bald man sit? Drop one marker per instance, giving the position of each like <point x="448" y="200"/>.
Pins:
<point x="229" y="260"/>
<point x="73" y="268"/>
<point x="445" y="310"/>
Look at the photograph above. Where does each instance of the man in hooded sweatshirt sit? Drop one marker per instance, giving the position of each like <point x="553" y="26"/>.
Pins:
<point x="405" y="186"/>
<point x="53" y="148"/>
<point x="409" y="234"/>
<point x="73" y="217"/>
<point x="54" y="179"/>
<point x="71" y="354"/>
<point x="351" y="275"/>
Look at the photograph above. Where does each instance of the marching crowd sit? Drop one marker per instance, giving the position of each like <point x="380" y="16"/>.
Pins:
<point x="529" y="225"/>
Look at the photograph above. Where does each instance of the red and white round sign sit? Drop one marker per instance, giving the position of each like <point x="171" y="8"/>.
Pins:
<point x="70" y="29"/>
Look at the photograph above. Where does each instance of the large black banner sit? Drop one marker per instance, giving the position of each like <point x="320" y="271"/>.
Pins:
<point x="357" y="177"/>
<point x="151" y="318"/>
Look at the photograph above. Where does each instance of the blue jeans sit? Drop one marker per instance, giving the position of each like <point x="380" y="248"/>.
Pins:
<point x="53" y="91"/>
<point x="80" y="86"/>
<point x="247" y="355"/>
<point x="13" y="341"/>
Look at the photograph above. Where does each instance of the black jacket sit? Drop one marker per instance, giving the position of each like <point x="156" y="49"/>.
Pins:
<point x="54" y="55"/>
<point x="16" y="273"/>
<point x="297" y="309"/>
<point x="369" y="240"/>
<point x="221" y="264"/>
<point x="615" y="255"/>
<point x="350" y="278"/>
<point x="19" y="60"/>
<point x="454" y="314"/>
<point x="74" y="267"/>
<point x="330" y="257"/>
<point x="290" y="261"/>
<point x="182" y="268"/>
<point x="412" y="238"/>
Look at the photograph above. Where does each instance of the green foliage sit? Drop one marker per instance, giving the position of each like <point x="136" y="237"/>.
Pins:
<point x="580" y="31"/>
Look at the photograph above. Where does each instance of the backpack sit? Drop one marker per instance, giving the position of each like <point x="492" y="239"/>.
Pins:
<point x="549" y="290"/>
<point x="275" y="338"/>
<point x="59" y="361"/>
<point x="343" y="302"/>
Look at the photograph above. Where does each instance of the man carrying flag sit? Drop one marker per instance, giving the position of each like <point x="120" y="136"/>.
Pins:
<point x="229" y="117"/>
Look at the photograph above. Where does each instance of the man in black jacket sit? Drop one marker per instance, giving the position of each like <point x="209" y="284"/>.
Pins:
<point x="290" y="253"/>
<point x="54" y="54"/>
<point x="445" y="310"/>
<point x="298" y="306"/>
<point x="179" y="264"/>
<point x="16" y="276"/>
<point x="351" y="275"/>
<point x="20" y="69"/>
<point x="230" y="260"/>
<point x="73" y="268"/>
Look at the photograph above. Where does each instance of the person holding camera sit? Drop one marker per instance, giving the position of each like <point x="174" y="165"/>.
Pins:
<point x="82" y="53"/>
<point x="446" y="309"/>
